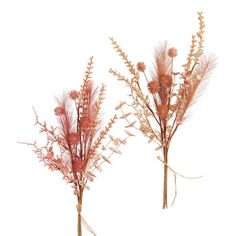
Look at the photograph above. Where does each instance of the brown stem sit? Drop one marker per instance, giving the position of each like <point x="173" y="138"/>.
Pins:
<point x="80" y="199"/>
<point x="165" y="189"/>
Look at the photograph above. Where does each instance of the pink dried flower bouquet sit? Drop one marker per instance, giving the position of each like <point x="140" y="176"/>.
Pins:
<point x="78" y="146"/>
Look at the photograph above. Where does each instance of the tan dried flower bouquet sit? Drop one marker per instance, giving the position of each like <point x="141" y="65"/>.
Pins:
<point x="159" y="103"/>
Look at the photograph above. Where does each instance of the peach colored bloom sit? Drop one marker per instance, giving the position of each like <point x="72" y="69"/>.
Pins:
<point x="141" y="66"/>
<point x="172" y="52"/>
<point x="74" y="94"/>
<point x="153" y="86"/>
<point x="59" y="111"/>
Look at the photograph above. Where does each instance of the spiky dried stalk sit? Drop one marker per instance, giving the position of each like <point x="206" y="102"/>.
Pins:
<point x="77" y="146"/>
<point x="170" y="93"/>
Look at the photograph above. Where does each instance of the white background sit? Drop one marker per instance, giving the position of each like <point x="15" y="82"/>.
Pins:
<point x="44" y="48"/>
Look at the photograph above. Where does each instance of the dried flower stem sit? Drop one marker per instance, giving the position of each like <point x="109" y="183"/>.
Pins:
<point x="80" y="202"/>
<point x="165" y="183"/>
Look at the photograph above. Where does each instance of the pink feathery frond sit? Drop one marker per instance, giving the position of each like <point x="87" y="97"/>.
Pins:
<point x="203" y="72"/>
<point x="161" y="75"/>
<point x="205" y="67"/>
<point x="66" y="119"/>
<point x="196" y="86"/>
<point x="163" y="62"/>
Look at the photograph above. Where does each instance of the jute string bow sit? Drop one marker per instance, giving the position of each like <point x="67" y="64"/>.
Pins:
<point x="85" y="224"/>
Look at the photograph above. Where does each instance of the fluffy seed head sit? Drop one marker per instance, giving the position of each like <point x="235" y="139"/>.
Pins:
<point x="162" y="111"/>
<point x="172" y="52"/>
<point x="165" y="81"/>
<point x="153" y="86"/>
<point x="74" y="138"/>
<point x="74" y="94"/>
<point x="141" y="67"/>
<point x="59" y="111"/>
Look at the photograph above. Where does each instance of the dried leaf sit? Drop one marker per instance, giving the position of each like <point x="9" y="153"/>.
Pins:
<point x="90" y="178"/>
<point x="87" y="187"/>
<point x="129" y="133"/>
<point x="159" y="148"/>
<point x="120" y="105"/>
<point x="131" y="124"/>
<point x="91" y="174"/>
<point x="116" y="142"/>
<point x="122" y="141"/>
<point x="115" y="150"/>
<point x="125" y="115"/>
<point x="99" y="168"/>
<point x="106" y="159"/>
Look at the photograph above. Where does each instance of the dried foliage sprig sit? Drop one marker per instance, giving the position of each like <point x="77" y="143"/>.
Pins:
<point x="160" y="106"/>
<point x="78" y="145"/>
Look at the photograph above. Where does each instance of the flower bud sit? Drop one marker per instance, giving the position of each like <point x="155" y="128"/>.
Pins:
<point x="141" y="67"/>
<point x="172" y="52"/>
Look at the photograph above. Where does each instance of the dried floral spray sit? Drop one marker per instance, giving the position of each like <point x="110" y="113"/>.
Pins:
<point x="78" y="145"/>
<point x="160" y="105"/>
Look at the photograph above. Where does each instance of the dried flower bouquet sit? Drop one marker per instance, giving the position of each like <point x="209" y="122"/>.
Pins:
<point x="78" y="145"/>
<point x="159" y="103"/>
